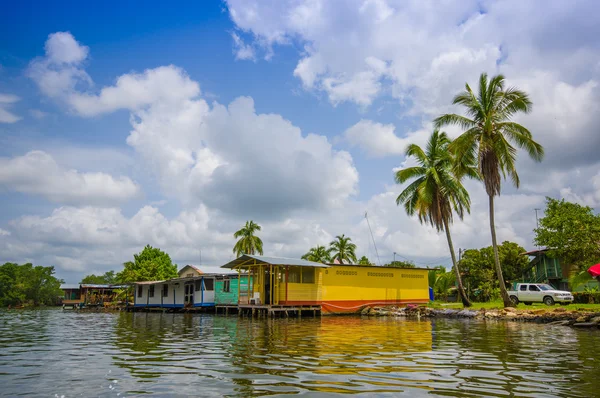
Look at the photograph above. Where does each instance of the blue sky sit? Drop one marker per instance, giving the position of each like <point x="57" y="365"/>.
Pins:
<point x="291" y="113"/>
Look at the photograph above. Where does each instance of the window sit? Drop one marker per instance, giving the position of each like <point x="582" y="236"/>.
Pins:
<point x="523" y="288"/>
<point x="165" y="291"/>
<point x="189" y="275"/>
<point x="294" y="275"/>
<point x="140" y="290"/>
<point x="308" y="275"/>
<point x="533" y="288"/>
<point x="226" y="286"/>
<point x="198" y="284"/>
<point x="209" y="284"/>
<point x="151" y="291"/>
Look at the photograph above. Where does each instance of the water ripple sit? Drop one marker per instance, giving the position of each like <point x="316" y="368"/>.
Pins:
<point x="56" y="353"/>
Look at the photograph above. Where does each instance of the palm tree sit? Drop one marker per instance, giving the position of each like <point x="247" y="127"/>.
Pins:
<point x="248" y="243"/>
<point x="436" y="191"/>
<point x="491" y="138"/>
<point x="342" y="249"/>
<point x="318" y="254"/>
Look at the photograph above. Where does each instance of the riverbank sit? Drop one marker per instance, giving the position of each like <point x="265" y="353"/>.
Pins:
<point x="555" y="316"/>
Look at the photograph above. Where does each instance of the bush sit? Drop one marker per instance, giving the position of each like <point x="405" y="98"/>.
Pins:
<point x="586" y="297"/>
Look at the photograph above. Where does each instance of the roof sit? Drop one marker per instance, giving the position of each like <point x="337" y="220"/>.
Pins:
<point x="192" y="267"/>
<point x="249" y="259"/>
<point x="534" y="252"/>
<point x="66" y="286"/>
<point x="98" y="286"/>
<point x="333" y="265"/>
<point x="147" y="282"/>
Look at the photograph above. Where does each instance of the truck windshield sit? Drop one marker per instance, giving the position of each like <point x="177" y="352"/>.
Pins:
<point x="545" y="287"/>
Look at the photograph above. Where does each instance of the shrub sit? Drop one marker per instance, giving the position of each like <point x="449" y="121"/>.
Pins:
<point x="586" y="297"/>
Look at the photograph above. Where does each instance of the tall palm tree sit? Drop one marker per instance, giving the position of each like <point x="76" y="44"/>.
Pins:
<point x="436" y="192"/>
<point x="248" y="242"/>
<point x="342" y="249"/>
<point x="318" y="254"/>
<point x="492" y="139"/>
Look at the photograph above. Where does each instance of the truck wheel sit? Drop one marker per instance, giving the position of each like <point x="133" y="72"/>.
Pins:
<point x="548" y="300"/>
<point x="515" y="300"/>
<point x="528" y="303"/>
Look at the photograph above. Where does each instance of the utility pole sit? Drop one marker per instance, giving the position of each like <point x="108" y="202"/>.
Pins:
<point x="459" y="254"/>
<point x="394" y="256"/>
<point x="200" y="257"/>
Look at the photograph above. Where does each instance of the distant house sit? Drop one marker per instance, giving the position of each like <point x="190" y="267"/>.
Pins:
<point x="545" y="269"/>
<point x="189" y="271"/>
<point x="82" y="295"/>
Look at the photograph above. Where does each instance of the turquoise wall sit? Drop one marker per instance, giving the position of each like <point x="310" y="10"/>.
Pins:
<point x="230" y="297"/>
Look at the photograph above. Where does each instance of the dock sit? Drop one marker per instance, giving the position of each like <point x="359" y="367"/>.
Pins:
<point x="278" y="310"/>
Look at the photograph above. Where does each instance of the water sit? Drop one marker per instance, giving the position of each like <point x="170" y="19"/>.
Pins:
<point x="54" y="353"/>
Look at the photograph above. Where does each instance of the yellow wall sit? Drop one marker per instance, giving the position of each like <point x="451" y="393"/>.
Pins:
<point x="374" y="283"/>
<point x="303" y="291"/>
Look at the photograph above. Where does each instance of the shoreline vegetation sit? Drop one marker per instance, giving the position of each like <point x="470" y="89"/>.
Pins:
<point x="575" y="315"/>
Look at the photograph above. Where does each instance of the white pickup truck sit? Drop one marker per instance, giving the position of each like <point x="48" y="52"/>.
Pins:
<point x="528" y="293"/>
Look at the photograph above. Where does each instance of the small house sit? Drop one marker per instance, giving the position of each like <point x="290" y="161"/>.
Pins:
<point x="83" y="295"/>
<point x="286" y="282"/>
<point x="229" y="288"/>
<point x="186" y="292"/>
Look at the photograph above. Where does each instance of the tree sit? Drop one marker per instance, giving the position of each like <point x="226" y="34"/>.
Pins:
<point x="436" y="192"/>
<point x="342" y="249"/>
<point x="318" y="254"/>
<point x="151" y="264"/>
<point x="401" y="264"/>
<point x="479" y="268"/>
<point x="364" y="261"/>
<point x="490" y="137"/>
<point x="248" y="243"/>
<point x="109" y="278"/>
<point x="20" y="284"/>
<point x="571" y="232"/>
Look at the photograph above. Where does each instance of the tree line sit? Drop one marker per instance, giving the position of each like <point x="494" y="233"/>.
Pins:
<point x="27" y="284"/>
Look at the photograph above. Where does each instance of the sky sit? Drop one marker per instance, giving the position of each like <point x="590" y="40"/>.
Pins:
<point x="173" y="124"/>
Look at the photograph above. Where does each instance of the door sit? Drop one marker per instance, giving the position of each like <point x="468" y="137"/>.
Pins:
<point x="188" y="298"/>
<point x="533" y="294"/>
<point x="523" y="293"/>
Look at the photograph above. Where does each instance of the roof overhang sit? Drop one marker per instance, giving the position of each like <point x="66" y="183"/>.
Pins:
<point x="248" y="260"/>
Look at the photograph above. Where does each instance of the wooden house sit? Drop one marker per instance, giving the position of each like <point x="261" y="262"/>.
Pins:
<point x="284" y="282"/>
<point x="86" y="295"/>
<point x="543" y="268"/>
<point x="186" y="292"/>
<point x="231" y="288"/>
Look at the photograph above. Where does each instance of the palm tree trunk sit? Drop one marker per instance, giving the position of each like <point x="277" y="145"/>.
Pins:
<point x="461" y="290"/>
<point x="503" y="292"/>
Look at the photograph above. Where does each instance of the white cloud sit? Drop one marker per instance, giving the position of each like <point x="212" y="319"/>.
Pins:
<point x="60" y="71"/>
<point x="38" y="114"/>
<point x="4" y="232"/>
<point x="37" y="173"/>
<point x="242" y="50"/>
<point x="212" y="154"/>
<point x="7" y="100"/>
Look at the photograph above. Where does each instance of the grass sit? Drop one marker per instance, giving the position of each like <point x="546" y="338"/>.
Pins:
<point x="499" y="305"/>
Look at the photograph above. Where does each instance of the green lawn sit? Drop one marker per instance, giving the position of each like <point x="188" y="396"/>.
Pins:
<point x="521" y="306"/>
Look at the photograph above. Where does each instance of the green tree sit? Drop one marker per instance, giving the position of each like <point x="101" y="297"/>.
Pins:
<point x="151" y="264"/>
<point x="490" y="137"/>
<point x="479" y="268"/>
<point x="571" y="232"/>
<point x="109" y="278"/>
<point x="318" y="254"/>
<point x="364" y="261"/>
<point x="401" y="264"/>
<point x="342" y="249"/>
<point x="248" y="242"/>
<point x="20" y="284"/>
<point x="436" y="192"/>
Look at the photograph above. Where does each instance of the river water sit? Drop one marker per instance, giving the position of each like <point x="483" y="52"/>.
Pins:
<point x="54" y="354"/>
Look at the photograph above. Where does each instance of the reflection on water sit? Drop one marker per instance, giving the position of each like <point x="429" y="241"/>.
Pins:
<point x="85" y="354"/>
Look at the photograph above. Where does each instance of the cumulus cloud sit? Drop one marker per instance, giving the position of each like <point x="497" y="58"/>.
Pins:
<point x="37" y="173"/>
<point x="229" y="157"/>
<point x="61" y="70"/>
<point x="6" y="100"/>
<point x="242" y="50"/>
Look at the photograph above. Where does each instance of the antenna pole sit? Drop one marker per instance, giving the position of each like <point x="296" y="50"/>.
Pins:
<point x="372" y="237"/>
<point x="200" y="257"/>
<point x="537" y="221"/>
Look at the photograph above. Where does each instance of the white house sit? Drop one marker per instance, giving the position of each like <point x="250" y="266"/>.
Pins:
<point x="182" y="292"/>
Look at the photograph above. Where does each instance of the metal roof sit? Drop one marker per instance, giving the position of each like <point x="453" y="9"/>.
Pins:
<point x="249" y="259"/>
<point x="71" y="286"/>
<point x="99" y="286"/>
<point x="148" y="282"/>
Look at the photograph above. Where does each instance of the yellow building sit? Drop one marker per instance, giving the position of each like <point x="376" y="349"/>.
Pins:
<point x="335" y="288"/>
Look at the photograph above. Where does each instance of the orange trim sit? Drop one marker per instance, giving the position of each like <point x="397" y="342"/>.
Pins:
<point x="350" y="306"/>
